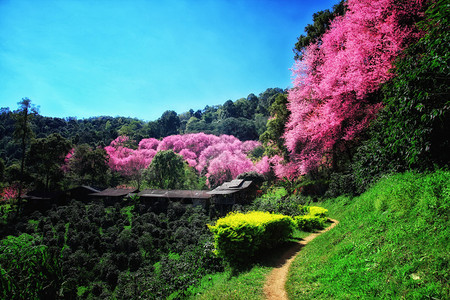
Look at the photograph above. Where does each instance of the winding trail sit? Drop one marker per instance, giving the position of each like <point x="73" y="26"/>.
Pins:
<point x="275" y="282"/>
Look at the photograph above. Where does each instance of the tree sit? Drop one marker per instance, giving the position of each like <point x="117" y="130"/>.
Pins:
<point x="2" y="169"/>
<point x="23" y="134"/>
<point x="167" y="171"/>
<point x="128" y="162"/>
<point x="199" y="150"/>
<point x="88" y="166"/>
<point x="416" y="110"/>
<point x="336" y="83"/>
<point x="169" y="123"/>
<point x="266" y="99"/>
<point x="244" y="108"/>
<point x="195" y="125"/>
<point x="322" y="21"/>
<point x="411" y="131"/>
<point x="228" y="110"/>
<point x="272" y="138"/>
<point x="241" y="128"/>
<point x="29" y="271"/>
<point x="45" y="157"/>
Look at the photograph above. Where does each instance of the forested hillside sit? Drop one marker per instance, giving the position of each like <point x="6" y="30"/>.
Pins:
<point x="243" y="118"/>
<point x="364" y="132"/>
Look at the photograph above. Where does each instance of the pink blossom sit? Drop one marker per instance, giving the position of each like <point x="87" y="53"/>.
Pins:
<point x="210" y="155"/>
<point x="9" y="193"/>
<point x="329" y="103"/>
<point x="150" y="143"/>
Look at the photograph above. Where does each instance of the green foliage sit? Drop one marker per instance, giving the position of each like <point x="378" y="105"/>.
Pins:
<point x="411" y="131"/>
<point x="28" y="271"/>
<point x="272" y="138"/>
<point x="169" y="123"/>
<point x="241" y="128"/>
<point x="238" y="237"/>
<point x="44" y="160"/>
<point x="88" y="166"/>
<point x="113" y="252"/>
<point x="317" y="211"/>
<point x="2" y="169"/>
<point x="314" y="32"/>
<point x="314" y="219"/>
<point x="416" y="115"/>
<point x="309" y="223"/>
<point x="168" y="170"/>
<point x="276" y="200"/>
<point x="391" y="242"/>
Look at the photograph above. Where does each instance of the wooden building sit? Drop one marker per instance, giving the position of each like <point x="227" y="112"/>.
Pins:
<point x="159" y="200"/>
<point x="82" y="193"/>
<point x="42" y="201"/>
<point x="113" y="195"/>
<point x="238" y="191"/>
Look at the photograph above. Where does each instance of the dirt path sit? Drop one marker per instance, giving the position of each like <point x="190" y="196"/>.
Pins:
<point x="274" y="287"/>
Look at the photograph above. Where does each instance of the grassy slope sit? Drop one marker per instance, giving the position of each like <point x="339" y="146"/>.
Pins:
<point x="392" y="242"/>
<point x="246" y="284"/>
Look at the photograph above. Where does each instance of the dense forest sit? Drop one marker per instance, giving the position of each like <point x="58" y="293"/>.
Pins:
<point x="244" y="119"/>
<point x="370" y="101"/>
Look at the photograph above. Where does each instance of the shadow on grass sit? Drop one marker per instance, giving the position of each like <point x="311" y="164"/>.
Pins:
<point x="277" y="256"/>
<point x="272" y="258"/>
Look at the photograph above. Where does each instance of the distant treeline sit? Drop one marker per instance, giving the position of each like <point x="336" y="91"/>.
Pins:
<point x="244" y="118"/>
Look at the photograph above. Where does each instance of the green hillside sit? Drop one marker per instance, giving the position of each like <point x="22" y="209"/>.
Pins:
<point x="392" y="242"/>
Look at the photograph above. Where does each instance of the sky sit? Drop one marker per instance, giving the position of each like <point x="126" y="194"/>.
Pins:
<point x="136" y="58"/>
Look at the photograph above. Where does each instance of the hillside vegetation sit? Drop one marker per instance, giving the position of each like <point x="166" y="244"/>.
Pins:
<point x="393" y="241"/>
<point x="363" y="134"/>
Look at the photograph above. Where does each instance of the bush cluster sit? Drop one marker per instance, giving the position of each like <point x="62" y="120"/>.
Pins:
<point x="238" y="236"/>
<point x="89" y="251"/>
<point x="277" y="200"/>
<point x="314" y="219"/>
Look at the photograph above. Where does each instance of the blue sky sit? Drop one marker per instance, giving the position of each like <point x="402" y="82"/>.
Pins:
<point x="88" y="58"/>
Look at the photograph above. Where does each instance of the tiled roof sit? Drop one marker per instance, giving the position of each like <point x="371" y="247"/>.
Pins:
<point x="113" y="192"/>
<point x="182" y="194"/>
<point x="231" y="187"/>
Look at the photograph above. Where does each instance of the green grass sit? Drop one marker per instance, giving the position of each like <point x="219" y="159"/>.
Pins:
<point x="393" y="242"/>
<point x="247" y="284"/>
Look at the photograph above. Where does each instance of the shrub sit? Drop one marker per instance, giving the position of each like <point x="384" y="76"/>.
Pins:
<point x="239" y="236"/>
<point x="317" y="211"/>
<point x="277" y="201"/>
<point x="309" y="222"/>
<point x="23" y="258"/>
<point x="315" y="219"/>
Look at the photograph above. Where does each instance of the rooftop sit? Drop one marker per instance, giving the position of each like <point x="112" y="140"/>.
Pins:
<point x="183" y="194"/>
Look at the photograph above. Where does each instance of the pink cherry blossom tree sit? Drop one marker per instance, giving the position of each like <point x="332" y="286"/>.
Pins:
<point x="129" y="162"/>
<point x="331" y="103"/>
<point x="217" y="157"/>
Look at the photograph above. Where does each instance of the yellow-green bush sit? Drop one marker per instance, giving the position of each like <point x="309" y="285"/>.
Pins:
<point x="238" y="236"/>
<point x="317" y="211"/>
<point x="315" y="219"/>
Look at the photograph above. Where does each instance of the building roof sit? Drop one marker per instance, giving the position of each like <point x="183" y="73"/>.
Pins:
<point x="231" y="187"/>
<point x="85" y="187"/>
<point x="42" y="195"/>
<point x="113" y="192"/>
<point x="181" y="194"/>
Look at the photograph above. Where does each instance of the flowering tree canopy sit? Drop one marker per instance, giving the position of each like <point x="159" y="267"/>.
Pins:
<point x="330" y="103"/>
<point x="223" y="157"/>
